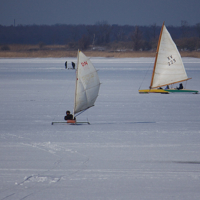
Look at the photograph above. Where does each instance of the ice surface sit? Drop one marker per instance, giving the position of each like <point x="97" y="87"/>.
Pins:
<point x="138" y="146"/>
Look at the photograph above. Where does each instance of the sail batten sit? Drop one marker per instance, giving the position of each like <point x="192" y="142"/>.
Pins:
<point x="168" y="67"/>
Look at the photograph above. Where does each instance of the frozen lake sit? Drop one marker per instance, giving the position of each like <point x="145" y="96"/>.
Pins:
<point x="138" y="146"/>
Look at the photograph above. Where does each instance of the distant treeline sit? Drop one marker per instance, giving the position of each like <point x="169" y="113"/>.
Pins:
<point x="99" y="35"/>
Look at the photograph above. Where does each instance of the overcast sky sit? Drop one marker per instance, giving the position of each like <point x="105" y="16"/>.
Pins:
<point x="121" y="12"/>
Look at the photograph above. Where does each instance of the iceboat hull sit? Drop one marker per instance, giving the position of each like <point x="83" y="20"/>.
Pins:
<point x="144" y="91"/>
<point x="181" y="91"/>
<point x="71" y="121"/>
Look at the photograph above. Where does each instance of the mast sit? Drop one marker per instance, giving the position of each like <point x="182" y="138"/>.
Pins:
<point x="156" y="56"/>
<point x="76" y="82"/>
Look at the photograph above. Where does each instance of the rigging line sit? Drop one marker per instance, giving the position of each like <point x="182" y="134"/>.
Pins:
<point x="185" y="84"/>
<point x="145" y="76"/>
<point x="81" y="112"/>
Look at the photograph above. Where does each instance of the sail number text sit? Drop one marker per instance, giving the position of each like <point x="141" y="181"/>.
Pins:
<point x="171" y="60"/>
<point x="84" y="63"/>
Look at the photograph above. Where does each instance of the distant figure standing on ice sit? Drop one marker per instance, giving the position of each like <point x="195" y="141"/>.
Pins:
<point x="73" y="65"/>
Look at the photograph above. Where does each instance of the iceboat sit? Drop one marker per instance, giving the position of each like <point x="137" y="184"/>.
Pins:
<point x="168" y="67"/>
<point x="87" y="85"/>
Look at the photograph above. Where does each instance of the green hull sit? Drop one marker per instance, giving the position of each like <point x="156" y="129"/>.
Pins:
<point x="181" y="91"/>
<point x="167" y="91"/>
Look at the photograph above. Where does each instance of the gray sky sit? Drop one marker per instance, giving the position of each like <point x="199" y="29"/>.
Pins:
<point x="121" y="12"/>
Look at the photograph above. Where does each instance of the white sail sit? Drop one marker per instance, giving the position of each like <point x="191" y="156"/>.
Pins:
<point x="169" y="67"/>
<point x="87" y="84"/>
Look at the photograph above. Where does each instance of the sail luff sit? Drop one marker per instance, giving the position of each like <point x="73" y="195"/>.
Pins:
<point x="158" y="46"/>
<point x="76" y="83"/>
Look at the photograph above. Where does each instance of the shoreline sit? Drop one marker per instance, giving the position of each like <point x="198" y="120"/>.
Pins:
<point x="58" y="54"/>
<point x="59" y="51"/>
<point x="61" y="54"/>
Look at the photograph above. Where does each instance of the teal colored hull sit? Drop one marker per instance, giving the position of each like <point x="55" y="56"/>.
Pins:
<point x="181" y="91"/>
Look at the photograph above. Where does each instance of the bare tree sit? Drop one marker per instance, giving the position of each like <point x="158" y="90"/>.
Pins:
<point x="184" y="28"/>
<point x="153" y="27"/>
<point x="137" y="39"/>
<point x="198" y="29"/>
<point x="102" y="32"/>
<point x="84" y="42"/>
